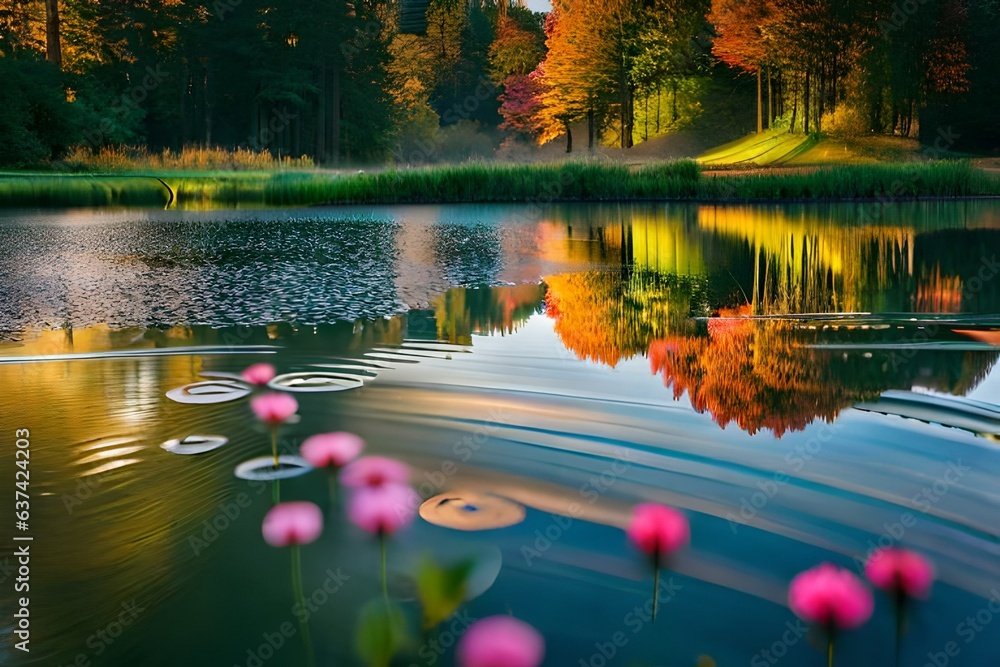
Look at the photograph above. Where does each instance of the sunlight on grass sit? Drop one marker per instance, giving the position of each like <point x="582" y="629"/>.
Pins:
<point x="770" y="147"/>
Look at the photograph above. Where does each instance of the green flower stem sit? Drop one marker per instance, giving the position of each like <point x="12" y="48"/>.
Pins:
<point x="385" y="580"/>
<point x="274" y="445"/>
<point x="300" y="599"/>
<point x="334" y="489"/>
<point x="656" y="589"/>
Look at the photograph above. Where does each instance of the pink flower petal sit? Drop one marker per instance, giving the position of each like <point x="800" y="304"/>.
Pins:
<point x="901" y="570"/>
<point x="274" y="409"/>
<point x="374" y="471"/>
<point x="383" y="509"/>
<point x="259" y="374"/>
<point x="658" y="530"/>
<point x="830" y="596"/>
<point x="292" y="523"/>
<point x="501" y="641"/>
<point x="331" y="449"/>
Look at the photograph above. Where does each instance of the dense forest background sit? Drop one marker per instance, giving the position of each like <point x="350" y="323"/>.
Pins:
<point x="350" y="82"/>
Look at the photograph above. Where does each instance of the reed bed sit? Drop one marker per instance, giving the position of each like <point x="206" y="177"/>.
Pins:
<point x="503" y="183"/>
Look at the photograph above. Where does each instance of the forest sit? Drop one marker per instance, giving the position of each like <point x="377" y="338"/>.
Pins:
<point x="360" y="82"/>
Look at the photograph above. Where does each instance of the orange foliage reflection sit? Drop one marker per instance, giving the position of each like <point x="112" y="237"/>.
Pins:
<point x="749" y="372"/>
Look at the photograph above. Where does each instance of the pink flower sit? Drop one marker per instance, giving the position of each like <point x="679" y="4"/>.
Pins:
<point x="830" y="596"/>
<point x="259" y="374"/>
<point x="375" y="471"/>
<point x="501" y="641"/>
<point x="383" y="509"/>
<point x="331" y="449"/>
<point x="274" y="409"/>
<point x="899" y="570"/>
<point x="658" y="530"/>
<point x="292" y="523"/>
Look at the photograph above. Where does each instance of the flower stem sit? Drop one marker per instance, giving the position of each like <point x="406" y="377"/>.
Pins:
<point x="900" y="604"/>
<point x="656" y="588"/>
<point x="274" y="445"/>
<point x="276" y="491"/>
<point x="385" y="584"/>
<point x="334" y="491"/>
<point x="829" y="651"/>
<point x="300" y="602"/>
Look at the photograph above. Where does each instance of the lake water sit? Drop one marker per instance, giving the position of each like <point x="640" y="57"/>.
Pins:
<point x="805" y="382"/>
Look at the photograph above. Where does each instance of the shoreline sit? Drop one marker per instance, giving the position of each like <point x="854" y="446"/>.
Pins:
<point x="682" y="181"/>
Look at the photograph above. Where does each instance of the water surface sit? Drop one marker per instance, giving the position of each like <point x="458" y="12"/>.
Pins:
<point x="804" y="381"/>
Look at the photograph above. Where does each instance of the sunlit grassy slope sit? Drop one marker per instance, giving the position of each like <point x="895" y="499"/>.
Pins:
<point x="767" y="148"/>
<point x="779" y="148"/>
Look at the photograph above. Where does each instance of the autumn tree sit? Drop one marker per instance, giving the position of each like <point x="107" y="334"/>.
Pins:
<point x="742" y="35"/>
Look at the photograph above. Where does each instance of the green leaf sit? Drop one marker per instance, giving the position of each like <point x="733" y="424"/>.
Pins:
<point x="381" y="632"/>
<point x="442" y="589"/>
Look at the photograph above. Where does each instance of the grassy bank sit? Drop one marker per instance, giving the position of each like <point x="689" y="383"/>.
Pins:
<point x="509" y="183"/>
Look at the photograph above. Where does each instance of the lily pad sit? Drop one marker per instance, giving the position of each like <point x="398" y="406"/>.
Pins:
<point x="315" y="381"/>
<point x="471" y="510"/>
<point x="195" y="444"/>
<point x="209" y="391"/>
<point x="262" y="468"/>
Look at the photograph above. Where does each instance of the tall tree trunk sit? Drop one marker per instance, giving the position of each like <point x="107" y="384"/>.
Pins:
<point x="207" y="108"/>
<point x="335" y="117"/>
<point x="590" y="128"/>
<point x="795" y="103"/>
<point x="805" y="105"/>
<point x="629" y="115"/>
<point x="822" y="95"/>
<point x="673" y="101"/>
<point x="53" y="51"/>
<point x="760" y="106"/>
<point x="569" y="137"/>
<point x="770" y="100"/>
<point x="320" y="148"/>
<point x="658" y="108"/>
<point x="645" y="118"/>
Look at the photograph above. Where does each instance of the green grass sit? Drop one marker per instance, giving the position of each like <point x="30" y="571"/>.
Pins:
<point x="508" y="183"/>
<point x="867" y="181"/>
<point x="768" y="148"/>
<point x="478" y="182"/>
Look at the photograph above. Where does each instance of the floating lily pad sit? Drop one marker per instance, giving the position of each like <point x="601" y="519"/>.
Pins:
<point x="262" y="468"/>
<point x="470" y="510"/>
<point x="195" y="444"/>
<point x="315" y="381"/>
<point x="210" y="391"/>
